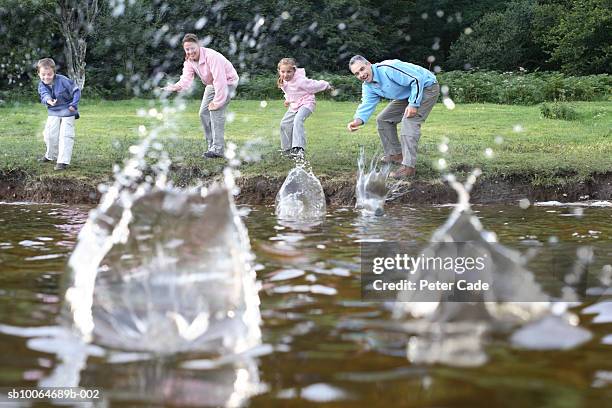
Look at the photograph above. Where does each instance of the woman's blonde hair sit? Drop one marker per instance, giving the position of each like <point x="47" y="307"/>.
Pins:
<point x="285" y="61"/>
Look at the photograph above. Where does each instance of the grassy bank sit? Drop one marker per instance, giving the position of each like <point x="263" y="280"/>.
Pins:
<point x="524" y="145"/>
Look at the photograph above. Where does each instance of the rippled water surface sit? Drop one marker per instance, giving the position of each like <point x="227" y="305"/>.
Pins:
<point x="313" y="317"/>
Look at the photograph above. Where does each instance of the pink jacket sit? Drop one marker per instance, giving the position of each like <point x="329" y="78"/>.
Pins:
<point x="213" y="69"/>
<point x="300" y="90"/>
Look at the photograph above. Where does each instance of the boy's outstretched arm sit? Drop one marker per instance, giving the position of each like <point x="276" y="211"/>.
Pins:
<point x="45" y="96"/>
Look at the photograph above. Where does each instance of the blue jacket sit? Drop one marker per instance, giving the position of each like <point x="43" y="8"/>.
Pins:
<point x="65" y="91"/>
<point x="393" y="79"/>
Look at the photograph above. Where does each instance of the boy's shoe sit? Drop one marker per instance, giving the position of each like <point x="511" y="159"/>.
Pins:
<point x="393" y="158"/>
<point x="44" y="159"/>
<point x="402" y="172"/>
<point x="297" y="152"/>
<point x="212" y="155"/>
<point x="61" y="166"/>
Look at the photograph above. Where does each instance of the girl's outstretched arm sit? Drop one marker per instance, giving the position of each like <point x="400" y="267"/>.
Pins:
<point x="313" y="86"/>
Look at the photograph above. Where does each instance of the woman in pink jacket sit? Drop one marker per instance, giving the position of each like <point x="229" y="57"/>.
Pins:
<point x="220" y="78"/>
<point x="300" y="99"/>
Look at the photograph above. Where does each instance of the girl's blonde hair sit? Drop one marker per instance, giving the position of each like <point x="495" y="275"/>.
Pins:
<point x="285" y="61"/>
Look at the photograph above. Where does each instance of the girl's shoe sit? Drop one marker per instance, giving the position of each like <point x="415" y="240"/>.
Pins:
<point x="297" y="152"/>
<point x="212" y="155"/>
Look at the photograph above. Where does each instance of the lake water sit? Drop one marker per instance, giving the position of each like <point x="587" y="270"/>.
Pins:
<point x="328" y="345"/>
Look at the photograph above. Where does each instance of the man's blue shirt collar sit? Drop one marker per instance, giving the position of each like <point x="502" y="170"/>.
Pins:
<point x="375" y="74"/>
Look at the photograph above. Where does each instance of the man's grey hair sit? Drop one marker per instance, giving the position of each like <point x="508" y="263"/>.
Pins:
<point x="357" y="58"/>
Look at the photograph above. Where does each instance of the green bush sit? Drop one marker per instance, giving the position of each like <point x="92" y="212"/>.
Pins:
<point x="517" y="88"/>
<point x="558" y="110"/>
<point x="512" y="88"/>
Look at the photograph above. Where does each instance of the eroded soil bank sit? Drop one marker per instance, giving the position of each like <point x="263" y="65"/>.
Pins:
<point x="339" y="191"/>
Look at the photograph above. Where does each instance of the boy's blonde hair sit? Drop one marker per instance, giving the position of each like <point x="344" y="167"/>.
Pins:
<point x="285" y="61"/>
<point x="45" y="63"/>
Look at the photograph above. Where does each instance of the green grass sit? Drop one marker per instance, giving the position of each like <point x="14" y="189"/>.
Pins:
<point x="546" y="151"/>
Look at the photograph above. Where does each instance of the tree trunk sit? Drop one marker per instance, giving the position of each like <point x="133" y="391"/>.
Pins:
<point x="76" y="19"/>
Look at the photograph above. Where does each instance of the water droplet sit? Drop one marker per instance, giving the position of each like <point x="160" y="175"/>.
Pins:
<point x="263" y="104"/>
<point x="499" y="140"/>
<point x="468" y="31"/>
<point x="341" y="26"/>
<point x="443" y="147"/>
<point x="517" y="128"/>
<point x="200" y="23"/>
<point x="448" y="102"/>
<point x="142" y="130"/>
<point x="578" y="211"/>
<point x="489" y="152"/>
<point x="524" y="203"/>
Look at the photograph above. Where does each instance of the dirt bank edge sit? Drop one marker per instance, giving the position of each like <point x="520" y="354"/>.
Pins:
<point x="17" y="186"/>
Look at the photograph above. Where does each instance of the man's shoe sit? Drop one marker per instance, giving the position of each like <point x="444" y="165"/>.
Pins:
<point x="212" y="155"/>
<point x="297" y="152"/>
<point x="403" y="172"/>
<point x="394" y="158"/>
<point x="61" y="166"/>
<point x="44" y="160"/>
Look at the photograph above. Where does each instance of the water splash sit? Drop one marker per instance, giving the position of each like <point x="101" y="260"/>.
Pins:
<point x="301" y="198"/>
<point x="455" y="333"/>
<point x="162" y="269"/>
<point x="371" y="189"/>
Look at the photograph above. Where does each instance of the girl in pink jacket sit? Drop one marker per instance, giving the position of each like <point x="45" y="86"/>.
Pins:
<point x="300" y="100"/>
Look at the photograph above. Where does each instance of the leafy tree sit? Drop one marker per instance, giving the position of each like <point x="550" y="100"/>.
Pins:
<point x="75" y="20"/>
<point x="501" y="40"/>
<point x="579" y="39"/>
<point x="26" y="37"/>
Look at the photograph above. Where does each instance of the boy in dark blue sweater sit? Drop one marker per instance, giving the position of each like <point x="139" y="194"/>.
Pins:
<point x="61" y="97"/>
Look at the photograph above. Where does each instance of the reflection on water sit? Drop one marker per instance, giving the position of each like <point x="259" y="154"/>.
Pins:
<point x="329" y="345"/>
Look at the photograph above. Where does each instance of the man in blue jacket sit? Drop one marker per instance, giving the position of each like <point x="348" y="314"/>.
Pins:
<point x="413" y="91"/>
